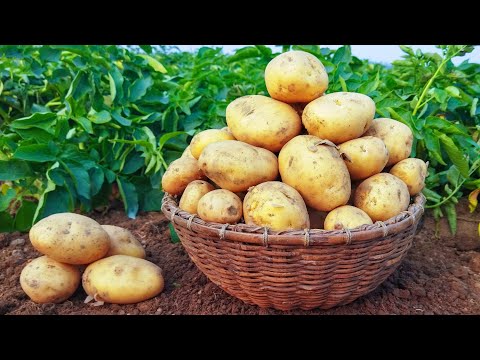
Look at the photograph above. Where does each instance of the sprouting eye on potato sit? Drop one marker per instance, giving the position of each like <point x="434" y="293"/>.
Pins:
<point x="179" y="174"/>
<point x="221" y="206"/>
<point x="122" y="242"/>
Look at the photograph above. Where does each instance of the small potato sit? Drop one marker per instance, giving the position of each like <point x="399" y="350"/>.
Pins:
<point x="346" y="217"/>
<point x="412" y="172"/>
<point x="277" y="206"/>
<point x="122" y="242"/>
<point x="187" y="153"/>
<point x="179" y="174"/>
<point x="382" y="196"/>
<point x="397" y="137"/>
<point x="206" y="137"/>
<point x="366" y="156"/>
<point x="70" y="238"/>
<point x="296" y="76"/>
<point x="45" y="280"/>
<point x="192" y="194"/>
<point x="220" y="206"/>
<point x="122" y="279"/>
<point x="339" y="116"/>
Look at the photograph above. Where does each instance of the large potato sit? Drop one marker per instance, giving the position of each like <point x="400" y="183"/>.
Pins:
<point x="277" y="206"/>
<point x="397" y="137"/>
<point x="220" y="206"/>
<point x="235" y="166"/>
<point x="122" y="242"/>
<point x="206" y="137"/>
<point x="412" y="172"/>
<point x="45" y="280"/>
<point x="192" y="194"/>
<point x="382" y="196"/>
<point x="122" y="279"/>
<point x="70" y="238"/>
<point x="346" y="217"/>
<point x="316" y="171"/>
<point x="339" y="117"/>
<point x="296" y="76"/>
<point x="179" y="174"/>
<point x="262" y="121"/>
<point x="366" y="156"/>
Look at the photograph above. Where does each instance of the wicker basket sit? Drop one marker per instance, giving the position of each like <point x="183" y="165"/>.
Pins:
<point x="295" y="269"/>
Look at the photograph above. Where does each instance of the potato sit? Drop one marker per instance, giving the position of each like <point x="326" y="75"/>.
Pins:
<point x="45" y="280"/>
<point x="316" y="171"/>
<point x="70" y="238"/>
<point x="382" y="196"/>
<point x="397" y="137"/>
<point x="296" y="76"/>
<point x="261" y="121"/>
<point x="192" y="194"/>
<point x="412" y="172"/>
<point x="339" y="116"/>
<point x="187" y="153"/>
<point x="122" y="279"/>
<point x="220" y="206"/>
<point x="206" y="137"/>
<point x="346" y="217"/>
<point x="366" y="156"/>
<point x="122" y="242"/>
<point x="277" y="206"/>
<point x="235" y="166"/>
<point x="179" y="174"/>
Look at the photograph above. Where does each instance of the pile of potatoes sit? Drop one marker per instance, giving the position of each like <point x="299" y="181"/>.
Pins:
<point x="117" y="271"/>
<point x="298" y="159"/>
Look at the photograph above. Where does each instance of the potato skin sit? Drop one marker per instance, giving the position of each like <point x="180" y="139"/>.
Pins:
<point x="122" y="242"/>
<point x="296" y="76"/>
<point x="316" y="171"/>
<point x="206" y="137"/>
<point x="339" y="116"/>
<point x="70" y="238"/>
<point x="367" y="156"/>
<point x="45" y="280"/>
<point x="262" y="121"/>
<point x="235" y="166"/>
<point x="382" y="196"/>
<point x="187" y="153"/>
<point x="220" y="206"/>
<point x="397" y="137"/>
<point x="412" y="172"/>
<point x="277" y="206"/>
<point x="346" y="217"/>
<point x="122" y="279"/>
<point x="192" y="194"/>
<point x="179" y="174"/>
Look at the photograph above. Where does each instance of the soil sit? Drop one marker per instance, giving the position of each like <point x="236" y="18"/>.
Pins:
<point x="434" y="278"/>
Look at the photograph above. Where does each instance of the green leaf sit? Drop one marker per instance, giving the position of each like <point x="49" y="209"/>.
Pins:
<point x="24" y="217"/>
<point x="152" y="200"/>
<point x="44" y="121"/>
<point x="473" y="109"/>
<point x="119" y="118"/>
<point x="49" y="54"/>
<point x="96" y="180"/>
<point x="49" y="188"/>
<point x="6" y="199"/>
<point x="343" y="55"/>
<point x="85" y="124"/>
<point x="14" y="170"/>
<point x="449" y="208"/>
<point x="453" y="91"/>
<point x="113" y="89"/>
<point x="6" y="222"/>
<point x="168" y="136"/>
<point x="101" y="117"/>
<point x="432" y="143"/>
<point x="244" y="53"/>
<point x="129" y="196"/>
<point x="35" y="153"/>
<point x="55" y="201"/>
<point x="1" y="87"/>
<point x="147" y="48"/>
<point x="79" y="176"/>
<point x="133" y="163"/>
<point x="139" y="88"/>
<point x="173" y="234"/>
<point x="154" y="63"/>
<point x="343" y="83"/>
<point x="455" y="155"/>
<point x="118" y="79"/>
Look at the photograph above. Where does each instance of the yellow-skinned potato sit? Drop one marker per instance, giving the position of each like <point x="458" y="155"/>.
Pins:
<point x="179" y="174"/>
<point x="122" y="242"/>
<point x="122" y="279"/>
<point x="397" y="137"/>
<point x="235" y="166"/>
<point x="382" y="196"/>
<point x="262" y="121"/>
<point x="316" y="171"/>
<point x="412" y="172"/>
<point x="70" y="238"/>
<point x="192" y="194"/>
<point x="187" y="153"/>
<point x="296" y="76"/>
<point x="220" y="206"/>
<point x="206" y="137"/>
<point x="277" y="206"/>
<point x="339" y="116"/>
<point x="346" y="217"/>
<point x="366" y="156"/>
<point x="45" y="280"/>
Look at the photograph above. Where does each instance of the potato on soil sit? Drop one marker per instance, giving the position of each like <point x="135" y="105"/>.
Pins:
<point x="192" y="194"/>
<point x="206" y="137"/>
<point x="346" y="217"/>
<point x="122" y="242"/>
<point x="122" y="279"/>
<point x="70" y="238"/>
<point x="296" y="76"/>
<point x="179" y="174"/>
<point x="382" y="196"/>
<point x="45" y="280"/>
<point x="412" y="172"/>
<point x="220" y="206"/>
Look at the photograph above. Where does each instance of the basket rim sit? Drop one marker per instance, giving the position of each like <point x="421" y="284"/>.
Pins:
<point x="307" y="237"/>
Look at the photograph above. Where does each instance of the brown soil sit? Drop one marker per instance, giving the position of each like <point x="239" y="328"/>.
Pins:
<point x="435" y="278"/>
